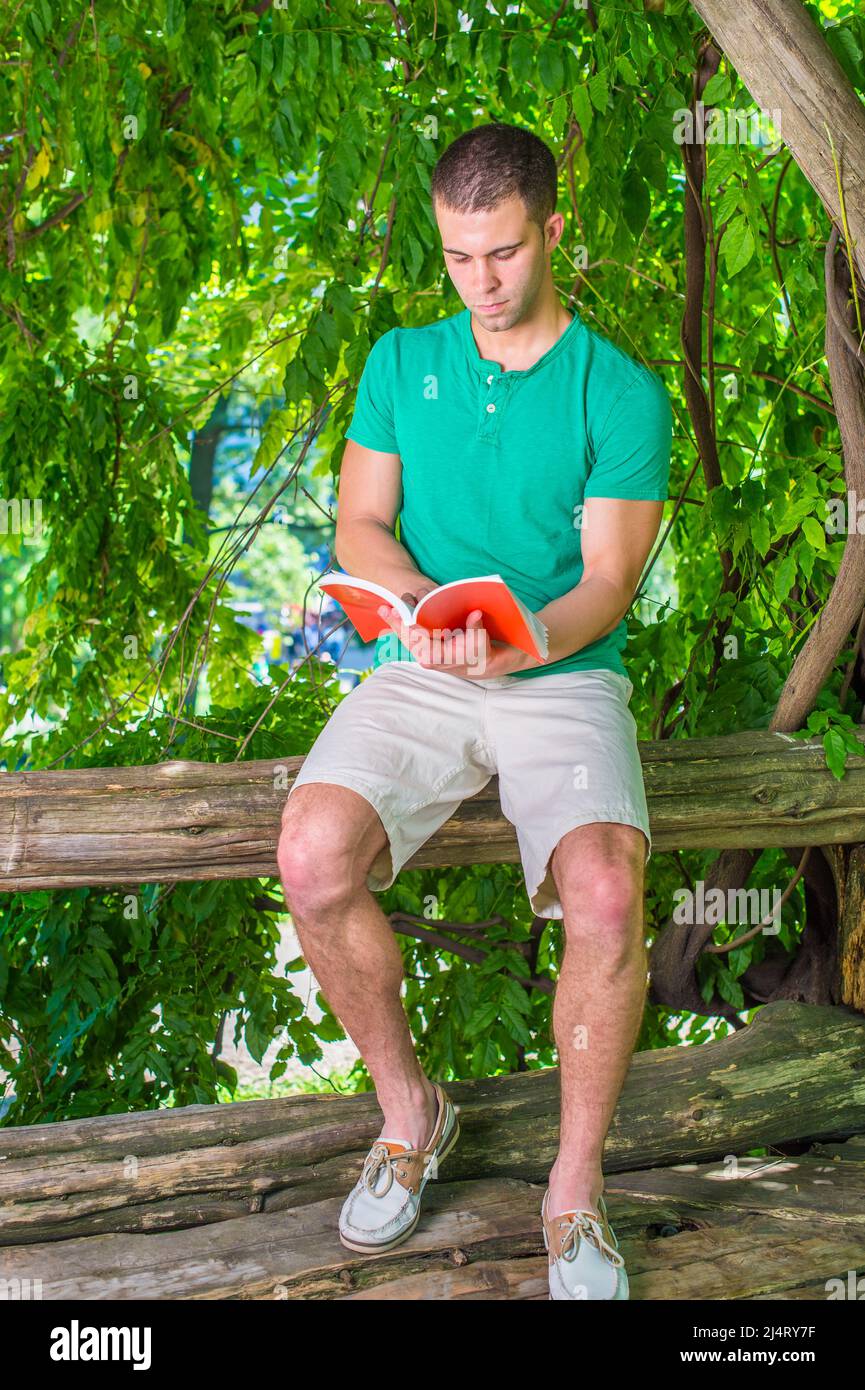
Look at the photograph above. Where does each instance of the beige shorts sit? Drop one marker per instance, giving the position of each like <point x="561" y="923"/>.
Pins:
<point x="415" y="742"/>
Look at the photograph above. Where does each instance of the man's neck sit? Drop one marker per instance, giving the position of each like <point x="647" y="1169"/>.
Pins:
<point x="518" y="348"/>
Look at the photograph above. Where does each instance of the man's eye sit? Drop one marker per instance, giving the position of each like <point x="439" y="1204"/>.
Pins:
<point x="506" y="256"/>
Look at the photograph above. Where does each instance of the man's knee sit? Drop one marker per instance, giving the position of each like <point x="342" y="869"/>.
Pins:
<point x="325" y="849"/>
<point x="602" y="887"/>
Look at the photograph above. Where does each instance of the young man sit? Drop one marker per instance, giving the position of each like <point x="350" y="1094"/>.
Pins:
<point x="509" y="438"/>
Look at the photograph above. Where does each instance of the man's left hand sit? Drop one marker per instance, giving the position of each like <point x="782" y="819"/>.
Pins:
<point x="447" y="649"/>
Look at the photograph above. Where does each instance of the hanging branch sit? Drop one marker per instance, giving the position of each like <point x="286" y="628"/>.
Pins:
<point x="772" y="224"/>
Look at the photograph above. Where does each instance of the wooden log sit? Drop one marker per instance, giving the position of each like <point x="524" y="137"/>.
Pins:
<point x="685" y="1232"/>
<point x="178" y="821"/>
<point x="796" y="1073"/>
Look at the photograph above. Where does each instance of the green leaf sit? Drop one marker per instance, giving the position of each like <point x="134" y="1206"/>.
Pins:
<point x="521" y="58"/>
<point x="636" y="201"/>
<point x="716" y="89"/>
<point x="273" y="439"/>
<point x="308" y="51"/>
<point x="815" y="534"/>
<point x="414" y="256"/>
<point x="283" y="59"/>
<point x="582" y="108"/>
<point x="482" y="1017"/>
<point x="843" y="44"/>
<point x="550" y="68"/>
<point x="261" y="54"/>
<point x="599" y="92"/>
<point x="559" y="115"/>
<point x="38" y="900"/>
<point x="760" y="534"/>
<point x="784" y="577"/>
<point x="835" y="748"/>
<point x="335" y="54"/>
<point x="737" y="246"/>
<point x="485" y="1058"/>
<point x="226" y="1073"/>
<point x="175" y="17"/>
<point x="329" y="1029"/>
<point x="649" y="159"/>
<point x="490" y="51"/>
<point x="516" y="1025"/>
<point x="723" y="161"/>
<point x="729" y="203"/>
<point x="627" y="70"/>
<point x="730" y="990"/>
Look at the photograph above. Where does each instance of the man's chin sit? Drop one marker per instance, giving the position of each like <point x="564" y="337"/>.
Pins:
<point x="505" y="318"/>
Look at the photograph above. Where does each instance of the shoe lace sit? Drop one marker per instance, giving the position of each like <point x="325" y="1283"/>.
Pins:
<point x="380" y="1157"/>
<point x="586" y="1223"/>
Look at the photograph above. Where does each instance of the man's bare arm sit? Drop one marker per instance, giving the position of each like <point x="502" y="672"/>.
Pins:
<point x="368" y="503"/>
<point x="616" y="538"/>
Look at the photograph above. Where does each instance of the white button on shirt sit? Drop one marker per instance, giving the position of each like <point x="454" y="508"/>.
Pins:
<point x="490" y="409"/>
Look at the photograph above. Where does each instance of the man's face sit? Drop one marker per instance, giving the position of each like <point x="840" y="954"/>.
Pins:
<point x="497" y="258"/>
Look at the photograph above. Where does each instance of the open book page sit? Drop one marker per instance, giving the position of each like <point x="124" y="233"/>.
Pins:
<point x="361" y="599"/>
<point x="506" y="617"/>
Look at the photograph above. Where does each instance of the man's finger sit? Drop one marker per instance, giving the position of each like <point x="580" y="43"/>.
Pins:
<point x="387" y="614"/>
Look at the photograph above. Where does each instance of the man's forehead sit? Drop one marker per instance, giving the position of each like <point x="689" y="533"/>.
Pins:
<point x="480" y="233"/>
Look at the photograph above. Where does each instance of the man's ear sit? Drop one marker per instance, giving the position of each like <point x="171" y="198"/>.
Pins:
<point x="552" y="233"/>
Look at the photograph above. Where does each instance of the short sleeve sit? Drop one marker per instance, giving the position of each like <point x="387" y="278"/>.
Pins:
<point x="631" y="456"/>
<point x="372" y="423"/>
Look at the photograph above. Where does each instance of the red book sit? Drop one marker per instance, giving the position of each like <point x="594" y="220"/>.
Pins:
<point x="505" y="617"/>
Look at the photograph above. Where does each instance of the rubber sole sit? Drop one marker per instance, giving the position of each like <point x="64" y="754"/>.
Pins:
<point x="374" y="1246"/>
<point x="625" y="1293"/>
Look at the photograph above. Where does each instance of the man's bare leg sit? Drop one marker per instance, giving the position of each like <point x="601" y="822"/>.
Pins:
<point x="600" y="996"/>
<point x="330" y="837"/>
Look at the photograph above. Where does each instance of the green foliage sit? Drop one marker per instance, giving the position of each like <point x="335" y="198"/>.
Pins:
<point x="475" y="1018"/>
<point x="110" y="1000"/>
<point x="186" y="206"/>
<point x="837" y="732"/>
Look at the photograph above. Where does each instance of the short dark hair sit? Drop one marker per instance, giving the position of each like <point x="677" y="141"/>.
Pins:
<point x="484" y="166"/>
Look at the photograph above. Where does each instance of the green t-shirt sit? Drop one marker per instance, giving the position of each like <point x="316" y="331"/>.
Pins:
<point x="496" y="464"/>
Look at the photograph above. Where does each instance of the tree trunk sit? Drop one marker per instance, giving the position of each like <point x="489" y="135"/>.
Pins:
<point x="203" y="454"/>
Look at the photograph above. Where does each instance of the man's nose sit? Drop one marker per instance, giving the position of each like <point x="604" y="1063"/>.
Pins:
<point x="486" y="279"/>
